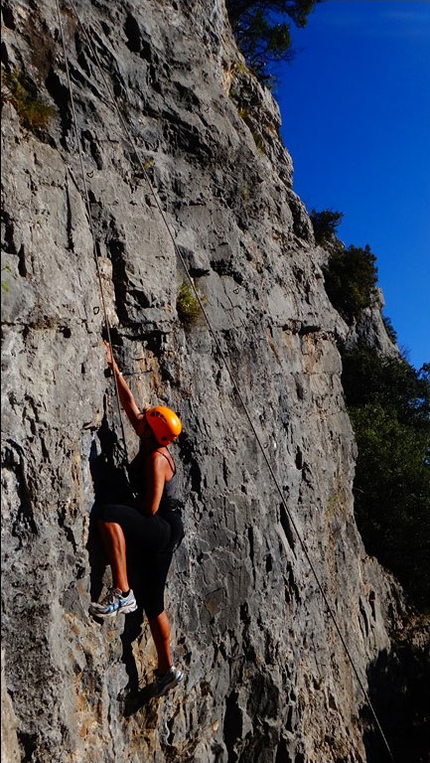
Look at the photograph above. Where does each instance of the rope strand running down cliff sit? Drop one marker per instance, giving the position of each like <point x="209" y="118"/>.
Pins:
<point x="225" y="362"/>
<point x="88" y="205"/>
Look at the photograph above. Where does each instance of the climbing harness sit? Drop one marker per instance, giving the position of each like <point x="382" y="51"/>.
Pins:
<point x="221" y="353"/>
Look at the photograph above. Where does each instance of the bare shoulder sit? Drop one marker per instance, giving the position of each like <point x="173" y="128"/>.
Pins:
<point x="164" y="461"/>
<point x="157" y="460"/>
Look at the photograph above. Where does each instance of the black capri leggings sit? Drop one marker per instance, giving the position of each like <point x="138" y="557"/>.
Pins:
<point x="149" y="550"/>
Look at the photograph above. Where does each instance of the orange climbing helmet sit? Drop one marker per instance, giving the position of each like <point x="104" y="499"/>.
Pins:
<point x="165" y="424"/>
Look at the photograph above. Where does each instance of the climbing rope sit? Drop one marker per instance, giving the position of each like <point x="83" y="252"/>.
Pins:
<point x="88" y="205"/>
<point x="226" y="364"/>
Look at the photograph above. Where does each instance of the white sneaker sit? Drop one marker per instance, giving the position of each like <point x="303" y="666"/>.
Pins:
<point x="163" y="684"/>
<point x="113" y="604"/>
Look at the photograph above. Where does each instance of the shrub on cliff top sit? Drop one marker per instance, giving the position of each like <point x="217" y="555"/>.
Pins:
<point x="350" y="280"/>
<point x="325" y="224"/>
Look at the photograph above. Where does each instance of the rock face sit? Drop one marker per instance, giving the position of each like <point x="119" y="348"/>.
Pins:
<point x="165" y="167"/>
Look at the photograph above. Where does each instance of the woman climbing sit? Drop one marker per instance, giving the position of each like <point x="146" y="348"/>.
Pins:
<point x="145" y="534"/>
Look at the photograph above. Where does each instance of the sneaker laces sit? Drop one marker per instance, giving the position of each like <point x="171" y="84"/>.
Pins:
<point x="111" y="595"/>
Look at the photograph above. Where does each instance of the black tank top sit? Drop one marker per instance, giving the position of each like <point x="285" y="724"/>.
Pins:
<point x="170" y="507"/>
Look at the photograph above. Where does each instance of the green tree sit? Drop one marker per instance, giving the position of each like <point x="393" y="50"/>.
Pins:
<point x="389" y="405"/>
<point x="350" y="278"/>
<point x="262" y="37"/>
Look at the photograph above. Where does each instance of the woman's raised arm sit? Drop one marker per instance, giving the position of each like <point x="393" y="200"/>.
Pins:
<point x="131" y="409"/>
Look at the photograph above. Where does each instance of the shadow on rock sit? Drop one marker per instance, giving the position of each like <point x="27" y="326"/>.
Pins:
<point x="399" y="688"/>
<point x="136" y="700"/>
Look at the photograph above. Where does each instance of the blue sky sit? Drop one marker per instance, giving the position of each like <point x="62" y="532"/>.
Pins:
<point x="355" y="106"/>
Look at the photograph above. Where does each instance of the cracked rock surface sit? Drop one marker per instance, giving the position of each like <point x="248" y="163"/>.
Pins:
<point x="175" y="171"/>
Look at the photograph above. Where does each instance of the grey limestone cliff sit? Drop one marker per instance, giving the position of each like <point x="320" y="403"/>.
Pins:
<point x="176" y="172"/>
